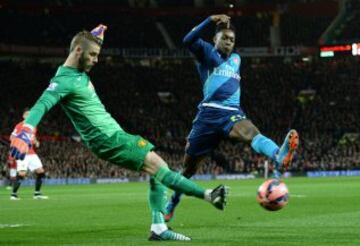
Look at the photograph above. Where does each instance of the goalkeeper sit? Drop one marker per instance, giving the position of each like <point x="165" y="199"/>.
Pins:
<point x="72" y="88"/>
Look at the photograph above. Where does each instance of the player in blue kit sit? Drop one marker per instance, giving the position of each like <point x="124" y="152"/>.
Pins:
<point x="219" y="113"/>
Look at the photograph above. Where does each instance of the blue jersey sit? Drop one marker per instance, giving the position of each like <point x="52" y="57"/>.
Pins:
<point x="219" y="75"/>
<point x="220" y="107"/>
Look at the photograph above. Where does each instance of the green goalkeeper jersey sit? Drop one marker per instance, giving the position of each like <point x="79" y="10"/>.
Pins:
<point x="76" y="95"/>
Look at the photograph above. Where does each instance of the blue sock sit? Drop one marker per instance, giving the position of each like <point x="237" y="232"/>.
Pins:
<point x="265" y="146"/>
<point x="175" y="199"/>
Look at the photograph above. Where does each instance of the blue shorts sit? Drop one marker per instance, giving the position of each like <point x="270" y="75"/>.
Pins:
<point x="210" y="126"/>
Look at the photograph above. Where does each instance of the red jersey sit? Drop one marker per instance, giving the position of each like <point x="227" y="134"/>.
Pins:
<point x="17" y="131"/>
<point x="11" y="162"/>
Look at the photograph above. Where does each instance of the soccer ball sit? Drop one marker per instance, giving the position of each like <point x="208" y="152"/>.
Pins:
<point x="273" y="195"/>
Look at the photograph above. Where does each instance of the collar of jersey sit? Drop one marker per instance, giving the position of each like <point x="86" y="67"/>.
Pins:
<point x="72" y="70"/>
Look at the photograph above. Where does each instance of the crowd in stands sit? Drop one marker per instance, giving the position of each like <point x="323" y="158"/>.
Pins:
<point x="319" y="98"/>
<point x="302" y="30"/>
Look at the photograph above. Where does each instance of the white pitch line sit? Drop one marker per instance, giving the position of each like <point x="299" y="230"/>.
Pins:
<point x="2" y="226"/>
<point x="297" y="195"/>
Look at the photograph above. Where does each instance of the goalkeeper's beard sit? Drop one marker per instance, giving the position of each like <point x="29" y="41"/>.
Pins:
<point x="82" y="64"/>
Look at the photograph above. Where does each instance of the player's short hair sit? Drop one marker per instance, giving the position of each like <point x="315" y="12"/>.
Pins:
<point x="222" y="27"/>
<point x="26" y="109"/>
<point x="84" y="37"/>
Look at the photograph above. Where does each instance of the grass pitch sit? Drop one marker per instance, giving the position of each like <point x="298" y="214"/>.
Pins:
<point x="321" y="211"/>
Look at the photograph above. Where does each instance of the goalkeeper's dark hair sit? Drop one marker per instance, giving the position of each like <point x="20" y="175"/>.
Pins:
<point x="223" y="26"/>
<point x="83" y="38"/>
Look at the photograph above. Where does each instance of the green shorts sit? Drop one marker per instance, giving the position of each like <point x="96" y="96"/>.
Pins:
<point x="124" y="150"/>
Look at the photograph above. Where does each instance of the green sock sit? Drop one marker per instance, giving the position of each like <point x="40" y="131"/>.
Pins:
<point x="179" y="183"/>
<point x="157" y="201"/>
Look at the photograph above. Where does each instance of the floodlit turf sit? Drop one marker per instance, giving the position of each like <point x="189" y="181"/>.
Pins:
<point x="321" y="211"/>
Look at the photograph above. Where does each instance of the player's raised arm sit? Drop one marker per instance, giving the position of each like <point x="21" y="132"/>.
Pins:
<point x="196" y="45"/>
<point x="21" y="142"/>
<point x="196" y="32"/>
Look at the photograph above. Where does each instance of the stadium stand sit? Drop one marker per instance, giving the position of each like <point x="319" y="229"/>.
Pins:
<point x="271" y="97"/>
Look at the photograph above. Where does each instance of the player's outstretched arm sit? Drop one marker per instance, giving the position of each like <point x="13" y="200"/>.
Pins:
<point x="21" y="142"/>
